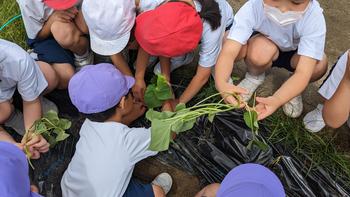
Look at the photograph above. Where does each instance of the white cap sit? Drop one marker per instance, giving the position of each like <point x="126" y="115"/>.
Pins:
<point x="109" y="23"/>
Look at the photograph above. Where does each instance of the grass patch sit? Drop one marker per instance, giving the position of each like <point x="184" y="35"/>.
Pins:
<point x="15" y="31"/>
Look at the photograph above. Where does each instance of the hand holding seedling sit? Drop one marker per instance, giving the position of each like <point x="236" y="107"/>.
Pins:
<point x="44" y="133"/>
<point x="267" y="106"/>
<point x="229" y="90"/>
<point x="139" y="90"/>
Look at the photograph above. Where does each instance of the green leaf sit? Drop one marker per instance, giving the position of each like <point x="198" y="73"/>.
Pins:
<point x="182" y="125"/>
<point x="251" y="119"/>
<point x="261" y="145"/>
<point x="158" y="92"/>
<point x="211" y="117"/>
<point x="52" y="116"/>
<point x="180" y="106"/>
<point x="61" y="136"/>
<point x="153" y="115"/>
<point x="160" y="135"/>
<point x="40" y="128"/>
<point x="150" y="97"/>
<point x="64" y="124"/>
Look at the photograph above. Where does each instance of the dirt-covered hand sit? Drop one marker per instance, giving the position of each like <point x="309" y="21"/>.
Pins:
<point x="139" y="90"/>
<point x="266" y="106"/>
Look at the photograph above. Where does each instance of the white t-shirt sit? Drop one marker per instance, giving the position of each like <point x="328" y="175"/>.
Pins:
<point x="34" y="14"/>
<point x="104" y="160"/>
<point x="332" y="82"/>
<point x="18" y="69"/>
<point x="211" y="41"/>
<point x="307" y="35"/>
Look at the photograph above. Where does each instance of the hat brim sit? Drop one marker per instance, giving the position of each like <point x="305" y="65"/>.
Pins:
<point x="108" y="47"/>
<point x="60" y="5"/>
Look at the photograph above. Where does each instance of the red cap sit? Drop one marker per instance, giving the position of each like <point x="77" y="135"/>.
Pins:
<point x="60" y="4"/>
<point x="170" y="30"/>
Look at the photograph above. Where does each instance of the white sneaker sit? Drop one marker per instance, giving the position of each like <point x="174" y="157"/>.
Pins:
<point x="294" y="107"/>
<point x="313" y="121"/>
<point x="251" y="83"/>
<point x="16" y="122"/>
<point x="47" y="105"/>
<point x="176" y="62"/>
<point x="164" y="181"/>
<point x="84" y="60"/>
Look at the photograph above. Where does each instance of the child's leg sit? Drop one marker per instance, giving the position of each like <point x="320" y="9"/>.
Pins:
<point x="261" y="52"/>
<point x="50" y="76"/>
<point x="6" y="109"/>
<point x="5" y="137"/>
<point x="158" y="191"/>
<point x="70" y="37"/>
<point x="320" y="69"/>
<point x="64" y="72"/>
<point x="209" y="190"/>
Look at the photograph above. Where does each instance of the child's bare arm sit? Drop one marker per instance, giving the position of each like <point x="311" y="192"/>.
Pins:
<point x="31" y="112"/>
<point x="336" y="110"/>
<point x="141" y="66"/>
<point x="293" y="87"/>
<point x="119" y="62"/>
<point x="223" y="70"/>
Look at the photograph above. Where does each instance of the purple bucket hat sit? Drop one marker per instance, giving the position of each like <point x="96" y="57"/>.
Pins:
<point x="97" y="88"/>
<point x="251" y="180"/>
<point x="14" y="172"/>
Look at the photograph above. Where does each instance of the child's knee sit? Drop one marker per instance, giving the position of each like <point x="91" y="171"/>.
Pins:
<point x="5" y="111"/>
<point x="65" y="72"/>
<point x="261" y="51"/>
<point x="158" y="191"/>
<point x="64" y="34"/>
<point x="320" y="69"/>
<point x="50" y="76"/>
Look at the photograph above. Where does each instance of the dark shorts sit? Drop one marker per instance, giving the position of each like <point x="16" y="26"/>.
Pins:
<point x="330" y="72"/>
<point x="138" y="189"/>
<point x="50" y="51"/>
<point x="284" y="60"/>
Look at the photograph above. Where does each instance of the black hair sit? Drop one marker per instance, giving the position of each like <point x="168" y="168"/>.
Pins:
<point x="210" y="12"/>
<point x="101" y="116"/>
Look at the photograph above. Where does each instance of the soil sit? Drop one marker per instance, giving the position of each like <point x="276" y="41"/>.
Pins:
<point x="337" y="15"/>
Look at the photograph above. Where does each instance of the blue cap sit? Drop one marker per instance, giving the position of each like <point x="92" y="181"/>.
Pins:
<point x="251" y="180"/>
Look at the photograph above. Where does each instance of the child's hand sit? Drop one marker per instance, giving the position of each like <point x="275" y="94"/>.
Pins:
<point x="228" y="89"/>
<point x="266" y="106"/>
<point x="167" y="106"/>
<point x="139" y="90"/>
<point x="37" y="144"/>
<point x="64" y="16"/>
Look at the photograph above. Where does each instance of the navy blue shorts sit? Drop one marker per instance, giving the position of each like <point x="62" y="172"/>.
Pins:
<point x="284" y="60"/>
<point x="49" y="51"/>
<point x="138" y="189"/>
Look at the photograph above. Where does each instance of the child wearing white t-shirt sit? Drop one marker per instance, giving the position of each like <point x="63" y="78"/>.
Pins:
<point x="335" y="90"/>
<point x="108" y="149"/>
<point x="284" y="33"/>
<point x="19" y="71"/>
<point x="55" y="40"/>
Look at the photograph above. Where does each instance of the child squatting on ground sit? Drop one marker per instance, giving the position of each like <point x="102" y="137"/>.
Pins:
<point x="19" y="71"/>
<point x="108" y="149"/>
<point x="56" y="41"/>
<point x="335" y="92"/>
<point x="172" y="30"/>
<point x="284" y="33"/>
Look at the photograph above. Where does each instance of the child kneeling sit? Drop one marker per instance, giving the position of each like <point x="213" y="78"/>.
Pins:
<point x="108" y="149"/>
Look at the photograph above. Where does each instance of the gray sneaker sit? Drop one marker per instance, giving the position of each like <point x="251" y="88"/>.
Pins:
<point x="83" y="61"/>
<point x="176" y="62"/>
<point x="164" y="181"/>
<point x="16" y="122"/>
<point x="251" y="83"/>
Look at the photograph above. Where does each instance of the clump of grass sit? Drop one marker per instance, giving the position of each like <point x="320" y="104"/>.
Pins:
<point x="320" y="149"/>
<point x="15" y="31"/>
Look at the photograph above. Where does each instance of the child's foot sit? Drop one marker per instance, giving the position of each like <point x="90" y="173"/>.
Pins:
<point x="313" y="121"/>
<point x="16" y="122"/>
<point x="294" y="107"/>
<point x="176" y="62"/>
<point x="251" y="83"/>
<point x="164" y="181"/>
<point x="83" y="60"/>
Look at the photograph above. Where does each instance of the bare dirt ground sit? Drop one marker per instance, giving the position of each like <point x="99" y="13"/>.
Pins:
<point x="338" y="41"/>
